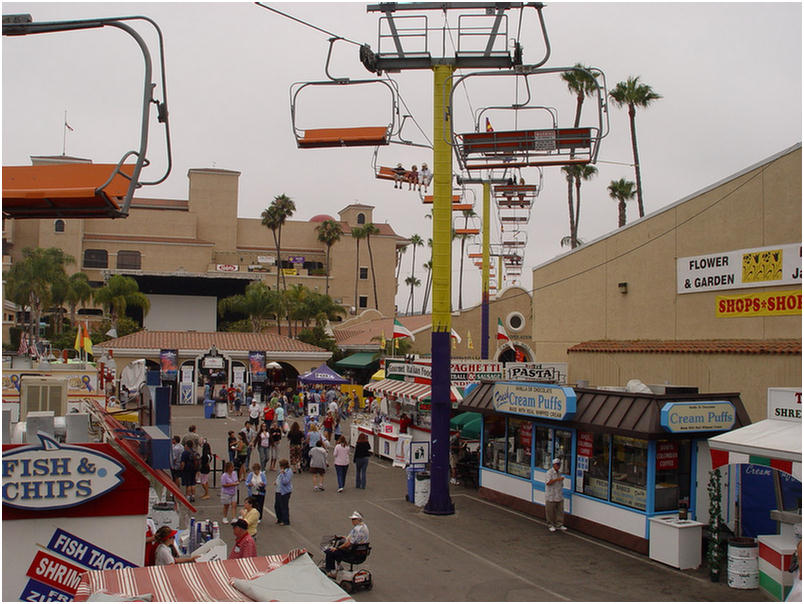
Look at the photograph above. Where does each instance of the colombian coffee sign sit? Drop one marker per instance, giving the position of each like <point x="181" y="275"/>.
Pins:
<point x="533" y="399"/>
<point x="50" y="476"/>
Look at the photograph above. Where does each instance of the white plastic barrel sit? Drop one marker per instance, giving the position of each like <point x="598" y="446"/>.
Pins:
<point x="422" y="489"/>
<point x="743" y="565"/>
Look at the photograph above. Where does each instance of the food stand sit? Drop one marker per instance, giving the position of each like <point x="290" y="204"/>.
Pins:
<point x="626" y="456"/>
<point x="775" y="445"/>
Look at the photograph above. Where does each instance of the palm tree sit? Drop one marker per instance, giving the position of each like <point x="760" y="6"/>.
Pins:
<point x="358" y="233"/>
<point x="415" y="241"/>
<point x="371" y="229"/>
<point x="329" y="232"/>
<point x="413" y="282"/>
<point x="621" y="190"/>
<point x="428" y="282"/>
<point x="274" y="217"/>
<point x="634" y="94"/>
<point x="79" y="291"/>
<point x="467" y="214"/>
<point x="575" y="173"/>
<point x="400" y="251"/>
<point x="29" y="282"/>
<point x="118" y="294"/>
<point x="295" y="298"/>
<point x="258" y="302"/>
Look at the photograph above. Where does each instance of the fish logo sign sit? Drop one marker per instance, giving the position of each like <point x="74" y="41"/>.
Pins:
<point x="50" y="476"/>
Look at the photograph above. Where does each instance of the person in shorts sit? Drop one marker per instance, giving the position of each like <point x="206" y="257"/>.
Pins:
<point x="175" y="460"/>
<point x="318" y="465"/>
<point x="229" y="482"/>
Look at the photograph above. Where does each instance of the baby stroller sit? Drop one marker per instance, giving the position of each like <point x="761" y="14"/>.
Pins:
<point x="349" y="579"/>
<point x="304" y="464"/>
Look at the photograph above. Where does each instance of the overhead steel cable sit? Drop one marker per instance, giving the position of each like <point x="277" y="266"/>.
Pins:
<point x="292" y="18"/>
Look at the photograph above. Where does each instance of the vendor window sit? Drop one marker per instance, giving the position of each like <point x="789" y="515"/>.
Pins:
<point x="520" y="435"/>
<point x="552" y="443"/>
<point x="494" y="439"/>
<point x="673" y="469"/>
<point x="629" y="472"/>
<point x="592" y="475"/>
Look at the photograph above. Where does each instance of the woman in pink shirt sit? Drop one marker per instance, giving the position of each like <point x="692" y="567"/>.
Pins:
<point x="341" y="458"/>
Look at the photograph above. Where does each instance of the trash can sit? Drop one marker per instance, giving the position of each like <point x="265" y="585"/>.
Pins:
<point x="209" y="408"/>
<point x="411" y="496"/>
<point x="422" y="489"/>
<point x="221" y="409"/>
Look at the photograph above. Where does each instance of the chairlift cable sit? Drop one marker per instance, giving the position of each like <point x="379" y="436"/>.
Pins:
<point x="291" y="17"/>
<point x="409" y="112"/>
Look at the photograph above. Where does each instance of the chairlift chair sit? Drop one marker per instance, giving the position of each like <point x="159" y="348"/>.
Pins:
<point x="85" y="190"/>
<point x="353" y="136"/>
<point x="532" y="146"/>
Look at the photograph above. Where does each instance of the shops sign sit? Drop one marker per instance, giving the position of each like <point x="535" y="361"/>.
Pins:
<point x="698" y="416"/>
<point x="50" y="476"/>
<point x="534" y="400"/>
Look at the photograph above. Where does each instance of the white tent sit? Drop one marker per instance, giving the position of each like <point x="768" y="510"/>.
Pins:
<point x="769" y="442"/>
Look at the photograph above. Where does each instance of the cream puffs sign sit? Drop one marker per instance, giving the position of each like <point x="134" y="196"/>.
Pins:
<point x="533" y="399"/>
<point x="50" y="475"/>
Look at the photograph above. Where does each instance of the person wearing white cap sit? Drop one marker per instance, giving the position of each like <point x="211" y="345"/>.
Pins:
<point x="357" y="536"/>
<point x="554" y="497"/>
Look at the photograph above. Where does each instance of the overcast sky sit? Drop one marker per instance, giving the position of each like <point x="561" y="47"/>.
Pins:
<point x="729" y="75"/>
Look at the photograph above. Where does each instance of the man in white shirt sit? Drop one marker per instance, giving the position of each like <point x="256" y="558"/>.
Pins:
<point x="554" y="497"/>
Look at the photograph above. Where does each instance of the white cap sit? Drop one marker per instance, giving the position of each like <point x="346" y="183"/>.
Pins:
<point x="556" y="460"/>
<point x="356" y="515"/>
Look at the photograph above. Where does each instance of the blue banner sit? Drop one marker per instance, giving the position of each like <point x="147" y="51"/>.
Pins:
<point x="85" y="553"/>
<point x="36" y="591"/>
<point x="759" y="498"/>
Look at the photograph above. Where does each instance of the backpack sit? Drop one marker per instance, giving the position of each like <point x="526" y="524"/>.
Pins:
<point x="196" y="461"/>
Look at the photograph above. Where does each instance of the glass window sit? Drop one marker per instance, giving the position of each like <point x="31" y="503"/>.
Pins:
<point x="494" y="442"/>
<point x="96" y="259"/>
<point x="520" y="435"/>
<point x="544" y="447"/>
<point x="363" y="302"/>
<point x="551" y="443"/>
<point x="129" y="259"/>
<point x="361" y="218"/>
<point x="364" y="272"/>
<point x="592" y="477"/>
<point x="672" y="473"/>
<point x="629" y="472"/>
<point x="58" y="226"/>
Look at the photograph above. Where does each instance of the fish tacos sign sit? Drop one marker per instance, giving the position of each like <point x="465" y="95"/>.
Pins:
<point x="534" y="400"/>
<point x="50" y="476"/>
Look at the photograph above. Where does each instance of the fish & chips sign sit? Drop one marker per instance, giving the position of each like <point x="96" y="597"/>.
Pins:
<point x="51" y="476"/>
<point x="535" y="400"/>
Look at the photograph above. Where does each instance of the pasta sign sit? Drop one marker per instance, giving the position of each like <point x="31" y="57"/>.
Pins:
<point x="51" y="476"/>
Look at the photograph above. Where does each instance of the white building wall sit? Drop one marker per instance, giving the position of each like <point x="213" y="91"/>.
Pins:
<point x="181" y="313"/>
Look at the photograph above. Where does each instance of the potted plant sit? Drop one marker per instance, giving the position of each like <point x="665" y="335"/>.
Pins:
<point x="714" y="550"/>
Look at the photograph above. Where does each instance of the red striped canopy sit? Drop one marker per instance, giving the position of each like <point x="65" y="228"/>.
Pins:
<point x="193" y="582"/>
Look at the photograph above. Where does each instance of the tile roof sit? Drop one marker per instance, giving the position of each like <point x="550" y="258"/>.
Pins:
<point x="691" y="346"/>
<point x="199" y="340"/>
<point x="361" y="334"/>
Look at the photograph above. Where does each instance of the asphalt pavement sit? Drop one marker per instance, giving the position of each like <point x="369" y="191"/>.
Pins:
<point x="483" y="552"/>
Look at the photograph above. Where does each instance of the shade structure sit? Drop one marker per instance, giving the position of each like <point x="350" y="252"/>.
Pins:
<point x="298" y="579"/>
<point x="378" y="375"/>
<point x="322" y="375"/>
<point x="358" y="360"/>
<point x="413" y="391"/>
<point x="471" y="430"/>
<point x="769" y="442"/>
<point x="460" y="420"/>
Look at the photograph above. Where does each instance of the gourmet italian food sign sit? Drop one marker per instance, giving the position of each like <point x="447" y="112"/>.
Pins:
<point x="50" y="476"/>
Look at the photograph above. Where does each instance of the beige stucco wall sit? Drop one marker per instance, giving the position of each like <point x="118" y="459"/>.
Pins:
<point x="210" y="233"/>
<point x="576" y="297"/>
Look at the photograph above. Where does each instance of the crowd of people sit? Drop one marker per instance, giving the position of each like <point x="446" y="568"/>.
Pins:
<point x="310" y="419"/>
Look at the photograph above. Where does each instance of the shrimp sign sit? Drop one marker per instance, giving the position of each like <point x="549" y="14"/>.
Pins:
<point x="50" y="476"/>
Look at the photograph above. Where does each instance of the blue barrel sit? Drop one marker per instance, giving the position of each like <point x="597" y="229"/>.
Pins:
<point x="209" y="408"/>
<point x="411" y="484"/>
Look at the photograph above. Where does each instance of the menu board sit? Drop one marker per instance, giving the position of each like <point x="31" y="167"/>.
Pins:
<point x="630" y="495"/>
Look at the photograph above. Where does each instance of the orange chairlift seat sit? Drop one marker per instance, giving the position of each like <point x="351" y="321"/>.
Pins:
<point x="65" y="190"/>
<point x="537" y="145"/>
<point x="515" y="196"/>
<point x="352" y="136"/>
<point x="85" y="190"/>
<point x="457" y="204"/>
